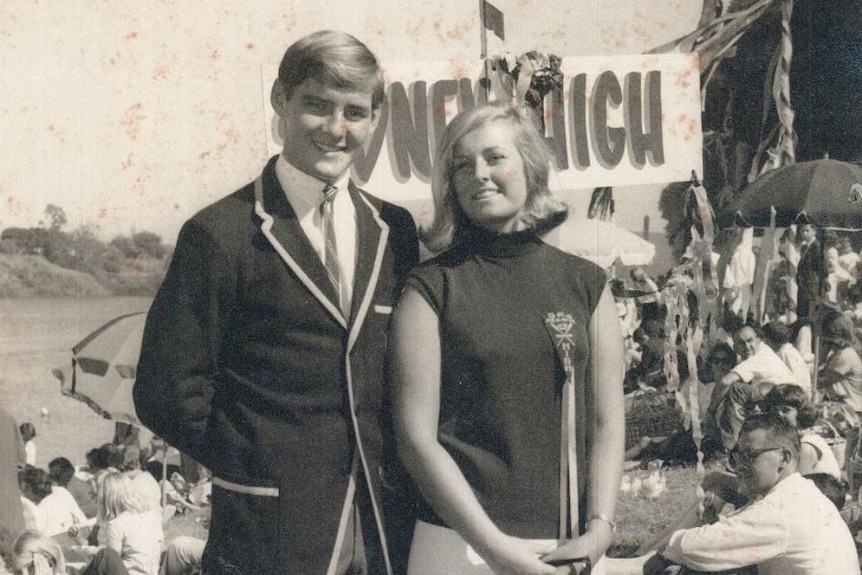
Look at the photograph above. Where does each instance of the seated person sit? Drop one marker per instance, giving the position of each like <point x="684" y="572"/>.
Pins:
<point x="183" y="556"/>
<point x="834" y="489"/>
<point x="791" y="404"/>
<point x="35" y="485"/>
<point x="788" y="527"/>
<point x="719" y="362"/>
<point x="62" y="513"/>
<point x="840" y="378"/>
<point x="79" y="486"/>
<point x="749" y="380"/>
<point x="777" y="336"/>
<point x="679" y="446"/>
<point x="36" y="554"/>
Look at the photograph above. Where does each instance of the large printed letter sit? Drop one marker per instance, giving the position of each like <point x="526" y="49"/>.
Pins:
<point x="578" y="129"/>
<point x="639" y="142"/>
<point x="365" y="162"/>
<point x="556" y="138"/>
<point x="609" y="143"/>
<point x="408" y="142"/>
<point x="441" y="91"/>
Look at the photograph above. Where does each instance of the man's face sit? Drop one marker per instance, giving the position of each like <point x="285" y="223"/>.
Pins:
<point x="759" y="462"/>
<point x="746" y="342"/>
<point x="325" y="128"/>
<point x="808" y="233"/>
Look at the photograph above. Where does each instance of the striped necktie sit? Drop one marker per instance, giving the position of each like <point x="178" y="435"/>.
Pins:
<point x="330" y="256"/>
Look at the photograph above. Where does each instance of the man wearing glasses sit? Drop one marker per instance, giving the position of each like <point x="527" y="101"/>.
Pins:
<point x="788" y="527"/>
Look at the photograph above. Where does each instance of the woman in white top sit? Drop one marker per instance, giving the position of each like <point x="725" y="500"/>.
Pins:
<point x="131" y="529"/>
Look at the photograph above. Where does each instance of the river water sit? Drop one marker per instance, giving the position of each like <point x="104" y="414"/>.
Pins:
<point x="37" y="335"/>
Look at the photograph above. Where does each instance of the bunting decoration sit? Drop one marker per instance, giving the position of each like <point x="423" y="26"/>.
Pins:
<point x="784" y="151"/>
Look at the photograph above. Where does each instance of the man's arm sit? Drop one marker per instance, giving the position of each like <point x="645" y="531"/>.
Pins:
<point x="179" y="354"/>
<point x="755" y="534"/>
<point x="729" y="379"/>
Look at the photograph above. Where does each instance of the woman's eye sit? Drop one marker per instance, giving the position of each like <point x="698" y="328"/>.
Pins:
<point x="459" y="165"/>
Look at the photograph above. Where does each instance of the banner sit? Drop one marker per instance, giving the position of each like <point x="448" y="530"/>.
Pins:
<point x="611" y="121"/>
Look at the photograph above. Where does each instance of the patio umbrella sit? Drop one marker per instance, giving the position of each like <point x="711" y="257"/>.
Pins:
<point x="601" y="242"/>
<point x="103" y="368"/>
<point x="825" y="193"/>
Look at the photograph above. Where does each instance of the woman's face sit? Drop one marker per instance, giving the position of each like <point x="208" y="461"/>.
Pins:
<point x="786" y="412"/>
<point x="488" y="178"/>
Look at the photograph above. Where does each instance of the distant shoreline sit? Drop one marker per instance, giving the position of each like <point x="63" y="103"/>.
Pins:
<point x="33" y="276"/>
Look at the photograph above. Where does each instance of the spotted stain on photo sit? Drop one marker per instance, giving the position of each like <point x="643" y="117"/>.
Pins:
<point x="131" y="120"/>
<point x="685" y="126"/>
<point x="58" y="132"/>
<point x="163" y="72"/>
<point x="13" y="206"/>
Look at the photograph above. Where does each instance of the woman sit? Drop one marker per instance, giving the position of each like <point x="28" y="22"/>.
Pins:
<point x="478" y="374"/>
<point x="35" y="553"/>
<point x="791" y="403"/>
<point x="840" y="378"/>
<point x="132" y="528"/>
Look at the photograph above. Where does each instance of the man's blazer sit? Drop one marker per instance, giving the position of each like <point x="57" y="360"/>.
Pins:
<point x="249" y="366"/>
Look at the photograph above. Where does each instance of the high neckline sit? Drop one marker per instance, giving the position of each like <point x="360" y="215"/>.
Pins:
<point x="499" y="245"/>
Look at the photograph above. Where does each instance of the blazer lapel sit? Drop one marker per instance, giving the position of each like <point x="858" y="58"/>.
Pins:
<point x="281" y="228"/>
<point x="372" y="234"/>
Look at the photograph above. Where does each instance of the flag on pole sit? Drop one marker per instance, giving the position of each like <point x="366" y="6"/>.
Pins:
<point x="492" y="19"/>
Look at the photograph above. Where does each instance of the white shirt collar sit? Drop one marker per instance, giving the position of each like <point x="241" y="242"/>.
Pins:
<point x="304" y="192"/>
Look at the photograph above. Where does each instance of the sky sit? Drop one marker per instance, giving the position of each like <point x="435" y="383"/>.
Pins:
<point x="133" y="116"/>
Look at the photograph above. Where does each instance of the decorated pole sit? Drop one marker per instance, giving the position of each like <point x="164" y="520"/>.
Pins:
<point x="784" y="152"/>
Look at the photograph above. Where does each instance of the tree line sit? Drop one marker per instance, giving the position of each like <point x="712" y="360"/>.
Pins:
<point x="131" y="264"/>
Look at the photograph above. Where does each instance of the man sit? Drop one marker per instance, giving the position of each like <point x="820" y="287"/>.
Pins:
<point x="62" y="513"/>
<point x="788" y="527"/>
<point x="810" y="273"/>
<point x="748" y="382"/>
<point x="263" y="354"/>
<point x="777" y="336"/>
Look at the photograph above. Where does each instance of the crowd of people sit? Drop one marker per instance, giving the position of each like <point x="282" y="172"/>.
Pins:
<point x="797" y="362"/>
<point x="361" y="413"/>
<point x="102" y="518"/>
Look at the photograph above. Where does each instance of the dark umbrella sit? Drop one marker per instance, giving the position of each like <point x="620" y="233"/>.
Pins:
<point x="824" y="193"/>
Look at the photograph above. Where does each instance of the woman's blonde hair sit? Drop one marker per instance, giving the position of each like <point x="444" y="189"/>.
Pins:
<point x="31" y="543"/>
<point x="117" y="494"/>
<point x="541" y="212"/>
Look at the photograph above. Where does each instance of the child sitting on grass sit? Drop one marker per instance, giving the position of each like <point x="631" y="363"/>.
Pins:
<point x="131" y="527"/>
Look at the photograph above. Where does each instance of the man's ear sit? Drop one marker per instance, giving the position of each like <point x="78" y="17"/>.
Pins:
<point x="786" y="457"/>
<point x="278" y="98"/>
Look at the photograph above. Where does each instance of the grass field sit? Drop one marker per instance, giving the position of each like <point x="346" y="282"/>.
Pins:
<point x="640" y="519"/>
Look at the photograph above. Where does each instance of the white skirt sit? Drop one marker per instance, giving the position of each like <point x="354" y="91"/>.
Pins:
<point x="441" y="551"/>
